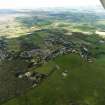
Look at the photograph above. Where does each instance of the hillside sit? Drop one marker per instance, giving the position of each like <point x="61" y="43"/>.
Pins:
<point x="52" y="57"/>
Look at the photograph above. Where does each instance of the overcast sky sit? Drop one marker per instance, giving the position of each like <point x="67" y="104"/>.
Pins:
<point x="31" y="4"/>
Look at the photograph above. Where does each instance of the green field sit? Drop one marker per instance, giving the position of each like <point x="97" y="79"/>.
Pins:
<point x="84" y="84"/>
<point x="62" y="46"/>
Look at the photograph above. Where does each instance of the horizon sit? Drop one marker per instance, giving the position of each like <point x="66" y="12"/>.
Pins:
<point x="35" y="4"/>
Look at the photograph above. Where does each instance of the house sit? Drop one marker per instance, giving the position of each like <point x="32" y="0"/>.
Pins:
<point x="102" y="42"/>
<point x="84" y="52"/>
<point x="27" y="74"/>
<point x="3" y="54"/>
<point x="62" y="50"/>
<point x="28" y="33"/>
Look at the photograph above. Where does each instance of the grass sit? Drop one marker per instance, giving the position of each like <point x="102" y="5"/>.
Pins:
<point x="101" y="22"/>
<point x="46" y="68"/>
<point x="84" y="84"/>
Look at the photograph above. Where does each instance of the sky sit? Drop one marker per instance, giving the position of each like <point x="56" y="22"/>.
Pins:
<point x="31" y="4"/>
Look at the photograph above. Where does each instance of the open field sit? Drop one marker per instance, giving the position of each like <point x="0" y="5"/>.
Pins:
<point x="83" y="85"/>
<point x="52" y="58"/>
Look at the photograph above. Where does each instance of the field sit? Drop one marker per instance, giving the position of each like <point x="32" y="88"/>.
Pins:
<point x="52" y="58"/>
<point x="84" y="85"/>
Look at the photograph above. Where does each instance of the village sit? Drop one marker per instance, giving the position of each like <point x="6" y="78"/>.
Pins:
<point x="52" y="56"/>
<point x="54" y="47"/>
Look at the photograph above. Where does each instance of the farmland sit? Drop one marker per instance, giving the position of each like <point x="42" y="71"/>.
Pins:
<point x="51" y="57"/>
